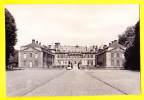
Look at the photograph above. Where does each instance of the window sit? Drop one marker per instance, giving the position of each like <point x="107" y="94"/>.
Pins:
<point x="91" y="62"/>
<point x="118" y="55"/>
<point x="36" y="55"/>
<point x="118" y="63"/>
<point x="112" y="55"/>
<point x="36" y="63"/>
<point x="83" y="56"/>
<point x="58" y="50"/>
<point x="24" y="55"/>
<point x="30" y="54"/>
<point x="24" y="63"/>
<point x="95" y="56"/>
<point x="88" y="56"/>
<point x="61" y="56"/>
<point x="88" y="62"/>
<point x="59" y="62"/>
<point x="80" y="62"/>
<point x="91" y="56"/>
<point x="112" y="62"/>
<point x="69" y="62"/>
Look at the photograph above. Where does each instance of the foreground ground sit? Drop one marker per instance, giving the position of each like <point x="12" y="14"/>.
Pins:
<point x="72" y="82"/>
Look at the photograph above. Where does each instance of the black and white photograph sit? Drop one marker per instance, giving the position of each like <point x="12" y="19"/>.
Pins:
<point x="72" y="50"/>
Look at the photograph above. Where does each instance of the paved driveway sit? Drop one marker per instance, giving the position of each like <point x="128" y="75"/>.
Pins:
<point x="72" y="82"/>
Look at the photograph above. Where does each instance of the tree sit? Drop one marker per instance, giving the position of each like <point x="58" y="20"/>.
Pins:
<point x="10" y="34"/>
<point x="127" y="37"/>
<point x="136" y="48"/>
<point x="132" y="53"/>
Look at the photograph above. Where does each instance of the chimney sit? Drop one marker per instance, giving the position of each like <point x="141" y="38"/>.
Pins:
<point x="33" y="41"/>
<point x="36" y="42"/>
<point x="86" y="48"/>
<point x="49" y="46"/>
<point x="40" y="43"/>
<point x="104" y="46"/>
<point x="115" y="41"/>
<point x="57" y="45"/>
<point x="96" y="48"/>
<point x="109" y="44"/>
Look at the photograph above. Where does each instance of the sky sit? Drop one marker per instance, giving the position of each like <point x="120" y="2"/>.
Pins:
<point x="83" y="25"/>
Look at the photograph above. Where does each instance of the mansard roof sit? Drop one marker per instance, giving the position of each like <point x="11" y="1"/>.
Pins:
<point x="76" y="49"/>
<point x="73" y="49"/>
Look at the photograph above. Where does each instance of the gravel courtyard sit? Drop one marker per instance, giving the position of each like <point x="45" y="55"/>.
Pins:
<point x="72" y="82"/>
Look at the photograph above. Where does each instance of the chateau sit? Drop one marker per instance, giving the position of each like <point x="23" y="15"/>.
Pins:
<point x="35" y="55"/>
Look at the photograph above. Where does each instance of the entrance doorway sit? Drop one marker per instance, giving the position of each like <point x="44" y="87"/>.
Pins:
<point x="30" y="64"/>
<point x="75" y="65"/>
